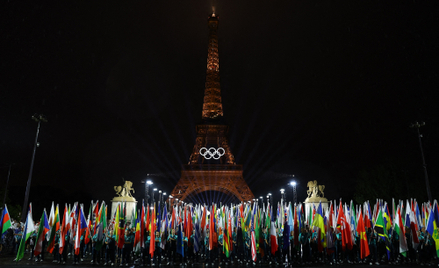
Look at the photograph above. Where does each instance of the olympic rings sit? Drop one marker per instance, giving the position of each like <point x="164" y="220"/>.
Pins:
<point x="212" y="152"/>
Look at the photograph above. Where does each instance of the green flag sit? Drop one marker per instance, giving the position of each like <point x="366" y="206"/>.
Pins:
<point x="29" y="228"/>
<point x="382" y="232"/>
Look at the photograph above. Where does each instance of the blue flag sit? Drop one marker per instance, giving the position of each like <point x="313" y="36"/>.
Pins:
<point x="180" y="243"/>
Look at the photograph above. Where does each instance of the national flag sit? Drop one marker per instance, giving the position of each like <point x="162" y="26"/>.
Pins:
<point x="51" y="220"/>
<point x="43" y="229"/>
<point x="89" y="232"/>
<point x="101" y="223"/>
<point x="153" y="229"/>
<point x="227" y="238"/>
<point x="5" y="222"/>
<point x="80" y="228"/>
<point x="320" y="224"/>
<point x="142" y="226"/>
<point x="273" y="235"/>
<point x="364" y="247"/>
<point x="121" y="227"/>
<point x="381" y="231"/>
<point x="53" y="230"/>
<point x="137" y="233"/>
<point x="253" y="238"/>
<point x="29" y="227"/>
<point x="180" y="243"/>
<point x="63" y="229"/>
<point x="433" y="225"/>
<point x="399" y="229"/>
<point x="345" y="228"/>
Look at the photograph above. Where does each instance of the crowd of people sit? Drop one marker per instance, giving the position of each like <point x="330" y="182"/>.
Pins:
<point x="226" y="244"/>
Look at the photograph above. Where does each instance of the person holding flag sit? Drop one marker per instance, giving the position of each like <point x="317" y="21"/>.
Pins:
<point x="29" y="228"/>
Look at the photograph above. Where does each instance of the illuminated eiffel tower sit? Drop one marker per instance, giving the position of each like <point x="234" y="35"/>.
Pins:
<point x="212" y="165"/>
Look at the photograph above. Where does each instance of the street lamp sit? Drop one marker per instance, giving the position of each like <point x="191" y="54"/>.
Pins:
<point x="293" y="185"/>
<point x="147" y="184"/>
<point x="38" y="118"/>
<point x="282" y="194"/>
<point x="153" y="199"/>
<point x="417" y="126"/>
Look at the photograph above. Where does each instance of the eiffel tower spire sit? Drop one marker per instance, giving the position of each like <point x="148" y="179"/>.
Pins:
<point x="212" y="106"/>
<point x="212" y="171"/>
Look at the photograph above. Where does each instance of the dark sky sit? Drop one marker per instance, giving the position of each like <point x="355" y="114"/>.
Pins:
<point x="319" y="89"/>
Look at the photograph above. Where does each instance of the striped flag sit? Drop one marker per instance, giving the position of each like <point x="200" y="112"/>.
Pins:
<point x="29" y="227"/>
<point x="253" y="238"/>
<point x="43" y="229"/>
<point x="5" y="222"/>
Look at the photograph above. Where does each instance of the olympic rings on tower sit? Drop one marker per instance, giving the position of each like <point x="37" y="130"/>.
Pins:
<point x="212" y="152"/>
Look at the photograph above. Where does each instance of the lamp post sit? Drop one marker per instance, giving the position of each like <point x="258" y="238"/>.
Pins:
<point x="417" y="126"/>
<point x="153" y="193"/>
<point x="282" y="194"/>
<point x="38" y="118"/>
<point x="147" y="184"/>
<point x="293" y="185"/>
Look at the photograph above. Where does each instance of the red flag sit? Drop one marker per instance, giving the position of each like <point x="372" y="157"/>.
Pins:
<point x="142" y="226"/>
<point x="364" y="247"/>
<point x="63" y="232"/>
<point x="345" y="229"/>
<point x="153" y="228"/>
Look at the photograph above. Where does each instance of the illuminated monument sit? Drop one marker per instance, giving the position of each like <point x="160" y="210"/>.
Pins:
<point x="212" y="165"/>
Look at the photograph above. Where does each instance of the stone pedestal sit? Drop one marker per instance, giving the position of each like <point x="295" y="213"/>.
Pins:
<point x="130" y="203"/>
<point x="314" y="201"/>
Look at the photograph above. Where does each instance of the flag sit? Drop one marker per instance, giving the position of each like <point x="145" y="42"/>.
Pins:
<point x="51" y="220"/>
<point x="43" y="229"/>
<point x="53" y="230"/>
<point x="142" y="226"/>
<point x="399" y="229"/>
<point x="273" y="236"/>
<point x="5" y="222"/>
<point x="226" y="238"/>
<point x="320" y="224"/>
<point x="364" y="247"/>
<point x="64" y="230"/>
<point x="29" y="227"/>
<point x="101" y="223"/>
<point x="121" y="227"/>
<point x="433" y="225"/>
<point x="137" y="234"/>
<point x="381" y="231"/>
<point x="345" y="228"/>
<point x="81" y="227"/>
<point x="253" y="238"/>
<point x="180" y="243"/>
<point x="153" y="229"/>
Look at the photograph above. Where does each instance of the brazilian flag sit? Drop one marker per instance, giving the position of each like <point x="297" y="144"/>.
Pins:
<point x="382" y="232"/>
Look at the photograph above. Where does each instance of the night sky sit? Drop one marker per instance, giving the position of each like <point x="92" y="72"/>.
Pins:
<point x="324" y="90"/>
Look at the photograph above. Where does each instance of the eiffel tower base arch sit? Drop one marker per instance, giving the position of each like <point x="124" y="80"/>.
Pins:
<point x="222" y="178"/>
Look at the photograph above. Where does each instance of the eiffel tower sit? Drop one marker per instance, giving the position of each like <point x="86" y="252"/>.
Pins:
<point x="211" y="165"/>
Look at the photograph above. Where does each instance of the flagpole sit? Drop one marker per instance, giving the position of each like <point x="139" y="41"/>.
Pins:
<point x="38" y="118"/>
<point x="7" y="182"/>
<point x="424" y="165"/>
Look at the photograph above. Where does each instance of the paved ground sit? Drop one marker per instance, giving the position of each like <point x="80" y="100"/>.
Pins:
<point x="7" y="261"/>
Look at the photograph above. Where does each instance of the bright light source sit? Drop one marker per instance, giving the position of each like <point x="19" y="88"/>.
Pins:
<point x="261" y="197"/>
<point x="149" y="182"/>
<point x="293" y="183"/>
<point x="282" y="190"/>
<point x="170" y="196"/>
<point x="155" y="189"/>
<point x="269" y="193"/>
<point x="160" y="191"/>
<point x="164" y="193"/>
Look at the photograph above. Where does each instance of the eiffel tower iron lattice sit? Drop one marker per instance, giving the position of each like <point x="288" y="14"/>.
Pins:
<point x="210" y="174"/>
